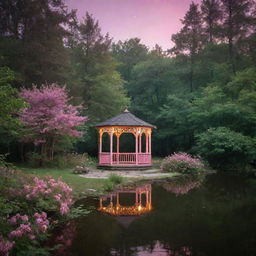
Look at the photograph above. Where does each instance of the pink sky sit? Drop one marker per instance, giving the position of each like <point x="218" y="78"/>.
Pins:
<point x="154" y="21"/>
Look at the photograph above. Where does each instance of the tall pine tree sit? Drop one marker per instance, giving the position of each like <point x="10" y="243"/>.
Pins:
<point x="235" y="24"/>
<point x="211" y="15"/>
<point x="189" y="40"/>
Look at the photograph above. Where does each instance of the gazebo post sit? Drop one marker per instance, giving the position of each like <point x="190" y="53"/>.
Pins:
<point x="146" y="143"/>
<point x="136" y="148"/>
<point x="149" y="143"/>
<point x="140" y="143"/>
<point x="100" y="143"/>
<point x="117" y="148"/>
<point x="111" y="148"/>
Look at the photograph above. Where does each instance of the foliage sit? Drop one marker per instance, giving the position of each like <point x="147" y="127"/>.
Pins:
<point x="129" y="53"/>
<point x="31" y="40"/>
<point x="62" y="161"/>
<point x="116" y="179"/>
<point x="49" y="117"/>
<point x="224" y="148"/>
<point x="10" y="105"/>
<point x="113" y="181"/>
<point x="182" y="163"/>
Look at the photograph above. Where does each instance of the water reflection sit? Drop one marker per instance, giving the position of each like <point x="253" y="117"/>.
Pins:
<point x="182" y="185"/>
<point x="157" y="249"/>
<point x="189" y="217"/>
<point x="141" y="204"/>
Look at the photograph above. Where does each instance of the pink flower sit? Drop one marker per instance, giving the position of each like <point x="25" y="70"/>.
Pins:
<point x="5" y="246"/>
<point x="57" y="197"/>
<point x="24" y="218"/>
<point x="16" y="233"/>
<point x="64" y="209"/>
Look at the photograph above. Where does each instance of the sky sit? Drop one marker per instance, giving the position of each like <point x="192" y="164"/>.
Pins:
<point x="154" y="21"/>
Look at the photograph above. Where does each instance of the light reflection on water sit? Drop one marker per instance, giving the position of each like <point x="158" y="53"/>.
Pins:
<point x="110" y="203"/>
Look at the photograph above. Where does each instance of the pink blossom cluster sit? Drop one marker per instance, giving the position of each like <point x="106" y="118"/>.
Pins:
<point x="182" y="163"/>
<point x="41" y="222"/>
<point x="49" y="113"/>
<point x="5" y="246"/>
<point x="50" y="188"/>
<point x="24" y="227"/>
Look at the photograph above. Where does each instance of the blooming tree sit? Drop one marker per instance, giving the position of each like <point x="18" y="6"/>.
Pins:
<point x="49" y="116"/>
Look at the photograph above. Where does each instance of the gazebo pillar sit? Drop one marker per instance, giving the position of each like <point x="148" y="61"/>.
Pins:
<point x="136" y="148"/>
<point x="117" y="148"/>
<point x="140" y="143"/>
<point x="111" y="148"/>
<point x="100" y="143"/>
<point x="149" y="141"/>
<point x="146" y="143"/>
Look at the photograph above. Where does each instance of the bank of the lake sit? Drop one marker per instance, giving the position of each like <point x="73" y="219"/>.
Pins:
<point x="96" y="182"/>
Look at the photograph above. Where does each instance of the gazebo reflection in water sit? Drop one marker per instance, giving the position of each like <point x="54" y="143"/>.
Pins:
<point x="110" y="203"/>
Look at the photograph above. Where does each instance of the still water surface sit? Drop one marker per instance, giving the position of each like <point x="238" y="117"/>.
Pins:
<point x="186" y="216"/>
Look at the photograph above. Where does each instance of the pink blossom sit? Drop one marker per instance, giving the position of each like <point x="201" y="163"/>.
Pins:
<point x="49" y="113"/>
<point x="5" y="246"/>
<point x="57" y="197"/>
<point x="64" y="209"/>
<point x="182" y="163"/>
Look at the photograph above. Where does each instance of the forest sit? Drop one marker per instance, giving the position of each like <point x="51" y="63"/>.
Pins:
<point x="200" y="93"/>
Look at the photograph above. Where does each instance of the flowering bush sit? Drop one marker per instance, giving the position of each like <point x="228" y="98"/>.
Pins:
<point x="58" y="193"/>
<point x="29" y="207"/>
<point x="182" y="163"/>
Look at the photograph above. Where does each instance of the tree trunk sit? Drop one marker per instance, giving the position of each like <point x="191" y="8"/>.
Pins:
<point x="191" y="74"/>
<point x="52" y="148"/>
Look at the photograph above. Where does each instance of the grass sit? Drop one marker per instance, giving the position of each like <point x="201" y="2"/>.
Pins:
<point x="81" y="186"/>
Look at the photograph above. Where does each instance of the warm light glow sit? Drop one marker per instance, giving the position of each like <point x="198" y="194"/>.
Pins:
<point x="114" y="208"/>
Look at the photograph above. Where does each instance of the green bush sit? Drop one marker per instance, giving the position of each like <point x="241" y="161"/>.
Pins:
<point x="226" y="149"/>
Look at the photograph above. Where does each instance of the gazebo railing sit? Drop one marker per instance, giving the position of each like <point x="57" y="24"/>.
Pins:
<point x="125" y="158"/>
<point x="129" y="158"/>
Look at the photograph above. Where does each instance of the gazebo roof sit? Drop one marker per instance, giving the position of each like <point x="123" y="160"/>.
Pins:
<point x="125" y="119"/>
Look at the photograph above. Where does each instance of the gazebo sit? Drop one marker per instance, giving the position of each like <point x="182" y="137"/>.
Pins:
<point x="125" y="122"/>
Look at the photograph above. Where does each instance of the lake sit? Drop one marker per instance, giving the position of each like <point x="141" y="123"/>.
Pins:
<point x="210" y="216"/>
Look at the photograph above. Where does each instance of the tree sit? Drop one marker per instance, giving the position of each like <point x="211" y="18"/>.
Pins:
<point x="94" y="69"/>
<point x="211" y="15"/>
<point x="129" y="53"/>
<point x="49" y="117"/>
<point x="31" y="39"/>
<point x="236" y="24"/>
<point x="189" y="40"/>
<point x="10" y="105"/>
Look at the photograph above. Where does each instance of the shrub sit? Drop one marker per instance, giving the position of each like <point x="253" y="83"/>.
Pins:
<point x="69" y="160"/>
<point x="182" y="163"/>
<point x="116" y="179"/>
<point x="29" y="207"/>
<point x="224" y="148"/>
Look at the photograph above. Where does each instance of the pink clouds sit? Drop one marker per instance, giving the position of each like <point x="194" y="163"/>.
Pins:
<point x="154" y="21"/>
